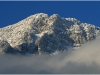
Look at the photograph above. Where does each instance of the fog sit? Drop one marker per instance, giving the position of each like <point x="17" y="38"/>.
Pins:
<point x="81" y="61"/>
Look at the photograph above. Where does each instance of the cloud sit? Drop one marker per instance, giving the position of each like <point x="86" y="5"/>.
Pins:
<point x="81" y="61"/>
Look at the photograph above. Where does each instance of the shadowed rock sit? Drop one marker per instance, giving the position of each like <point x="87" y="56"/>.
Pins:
<point x="5" y="47"/>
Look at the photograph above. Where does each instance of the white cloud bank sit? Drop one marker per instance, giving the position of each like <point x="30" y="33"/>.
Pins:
<point x="82" y="61"/>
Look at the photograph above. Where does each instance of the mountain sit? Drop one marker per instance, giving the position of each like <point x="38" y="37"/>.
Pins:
<point x="43" y="34"/>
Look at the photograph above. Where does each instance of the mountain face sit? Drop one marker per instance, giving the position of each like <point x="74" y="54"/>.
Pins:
<point x="45" y="34"/>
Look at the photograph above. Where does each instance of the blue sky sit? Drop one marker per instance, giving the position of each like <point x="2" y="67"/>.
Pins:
<point x="13" y="11"/>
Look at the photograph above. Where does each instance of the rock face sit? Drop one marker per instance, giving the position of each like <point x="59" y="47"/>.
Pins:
<point x="40" y="33"/>
<point x="5" y="47"/>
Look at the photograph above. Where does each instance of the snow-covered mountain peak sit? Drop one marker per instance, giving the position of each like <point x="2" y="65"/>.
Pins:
<point x="39" y="15"/>
<point x="41" y="34"/>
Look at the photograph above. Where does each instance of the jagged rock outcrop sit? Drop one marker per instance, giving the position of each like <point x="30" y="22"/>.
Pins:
<point x="40" y="33"/>
<point x="77" y="35"/>
<point x="5" y="47"/>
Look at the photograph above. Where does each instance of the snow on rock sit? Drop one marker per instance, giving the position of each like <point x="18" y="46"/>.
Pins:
<point x="5" y="47"/>
<point x="43" y="34"/>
